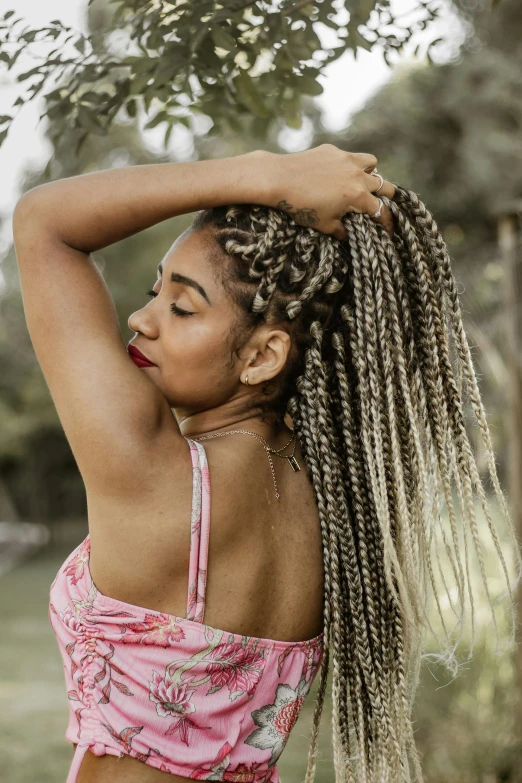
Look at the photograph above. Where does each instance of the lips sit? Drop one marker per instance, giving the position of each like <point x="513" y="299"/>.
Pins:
<point x="138" y="357"/>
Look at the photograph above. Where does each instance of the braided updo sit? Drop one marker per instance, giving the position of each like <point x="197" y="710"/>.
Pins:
<point x="370" y="386"/>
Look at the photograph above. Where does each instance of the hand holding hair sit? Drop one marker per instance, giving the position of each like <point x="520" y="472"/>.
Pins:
<point x="319" y="186"/>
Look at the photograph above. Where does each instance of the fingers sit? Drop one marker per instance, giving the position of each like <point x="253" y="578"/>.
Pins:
<point x="364" y="159"/>
<point x="386" y="216"/>
<point x="339" y="231"/>
<point x="373" y="183"/>
<point x="373" y="203"/>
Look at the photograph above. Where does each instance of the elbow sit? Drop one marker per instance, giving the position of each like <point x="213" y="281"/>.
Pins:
<point x="27" y="204"/>
<point x="28" y="222"/>
<point x="29" y="210"/>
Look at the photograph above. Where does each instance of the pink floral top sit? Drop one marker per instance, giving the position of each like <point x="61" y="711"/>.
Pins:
<point x="177" y="694"/>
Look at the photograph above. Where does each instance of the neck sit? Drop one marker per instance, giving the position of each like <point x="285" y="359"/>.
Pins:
<point x="198" y="426"/>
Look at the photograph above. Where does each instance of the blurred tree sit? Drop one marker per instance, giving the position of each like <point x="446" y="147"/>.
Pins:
<point x="225" y="60"/>
<point x="35" y="459"/>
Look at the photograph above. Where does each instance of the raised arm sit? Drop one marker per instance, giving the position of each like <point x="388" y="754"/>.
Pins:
<point x="91" y="211"/>
<point x="110" y="410"/>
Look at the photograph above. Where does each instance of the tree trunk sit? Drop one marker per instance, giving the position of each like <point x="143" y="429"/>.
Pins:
<point x="510" y="241"/>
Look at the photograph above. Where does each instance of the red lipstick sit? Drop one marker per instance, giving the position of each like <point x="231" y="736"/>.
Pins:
<point x="138" y="357"/>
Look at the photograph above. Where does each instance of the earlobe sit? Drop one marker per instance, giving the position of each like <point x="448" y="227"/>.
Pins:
<point x="246" y="376"/>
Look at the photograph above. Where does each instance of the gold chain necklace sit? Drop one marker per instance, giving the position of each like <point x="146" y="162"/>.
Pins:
<point x="269" y="450"/>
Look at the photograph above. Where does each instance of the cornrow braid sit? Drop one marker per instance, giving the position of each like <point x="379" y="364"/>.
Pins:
<point x="376" y="401"/>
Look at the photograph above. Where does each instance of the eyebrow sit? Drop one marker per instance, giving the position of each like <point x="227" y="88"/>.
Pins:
<point x="177" y="278"/>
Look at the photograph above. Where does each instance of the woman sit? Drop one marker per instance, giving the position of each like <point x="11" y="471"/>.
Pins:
<point x="298" y="322"/>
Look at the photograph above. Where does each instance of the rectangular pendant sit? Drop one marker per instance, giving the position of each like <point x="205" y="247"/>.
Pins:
<point x="294" y="463"/>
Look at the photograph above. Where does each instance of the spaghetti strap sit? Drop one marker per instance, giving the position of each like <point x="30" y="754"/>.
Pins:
<point x="79" y="753"/>
<point x="199" y="532"/>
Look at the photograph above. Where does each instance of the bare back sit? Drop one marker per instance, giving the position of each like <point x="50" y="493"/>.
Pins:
<point x="265" y="566"/>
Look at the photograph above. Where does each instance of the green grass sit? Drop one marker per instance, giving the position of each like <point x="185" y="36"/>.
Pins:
<point x="33" y="699"/>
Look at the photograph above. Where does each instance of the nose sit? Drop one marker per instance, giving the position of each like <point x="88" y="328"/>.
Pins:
<point x="143" y="321"/>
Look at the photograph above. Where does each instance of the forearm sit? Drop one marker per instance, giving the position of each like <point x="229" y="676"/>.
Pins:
<point x="91" y="211"/>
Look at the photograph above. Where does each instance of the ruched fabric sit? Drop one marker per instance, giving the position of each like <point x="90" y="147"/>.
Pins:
<point x="172" y="692"/>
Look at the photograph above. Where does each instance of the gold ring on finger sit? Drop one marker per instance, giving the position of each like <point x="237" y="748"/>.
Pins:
<point x="378" y="213"/>
<point x="375" y="174"/>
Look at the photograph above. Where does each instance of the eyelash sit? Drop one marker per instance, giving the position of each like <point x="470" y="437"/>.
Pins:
<point x="175" y="309"/>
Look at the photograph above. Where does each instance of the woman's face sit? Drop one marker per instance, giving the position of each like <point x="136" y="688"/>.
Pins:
<point x="190" y="352"/>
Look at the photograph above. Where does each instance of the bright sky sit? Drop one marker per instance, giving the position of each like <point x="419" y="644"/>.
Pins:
<point x="347" y="85"/>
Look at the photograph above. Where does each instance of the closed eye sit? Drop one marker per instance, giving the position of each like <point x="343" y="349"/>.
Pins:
<point x="175" y="309"/>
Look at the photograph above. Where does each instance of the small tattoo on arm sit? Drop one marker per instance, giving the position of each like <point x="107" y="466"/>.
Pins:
<point x="306" y="216"/>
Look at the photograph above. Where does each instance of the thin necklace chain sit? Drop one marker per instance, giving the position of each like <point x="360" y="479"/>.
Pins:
<point x="269" y="450"/>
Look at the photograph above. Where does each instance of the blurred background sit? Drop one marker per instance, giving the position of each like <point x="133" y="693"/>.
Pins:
<point x="449" y="127"/>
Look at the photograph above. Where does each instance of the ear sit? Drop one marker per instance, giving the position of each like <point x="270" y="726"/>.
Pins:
<point x="271" y="356"/>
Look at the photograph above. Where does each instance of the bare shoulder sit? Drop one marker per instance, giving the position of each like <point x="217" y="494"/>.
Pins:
<point x="140" y="534"/>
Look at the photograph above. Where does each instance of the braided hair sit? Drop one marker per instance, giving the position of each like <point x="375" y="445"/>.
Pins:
<point x="377" y="408"/>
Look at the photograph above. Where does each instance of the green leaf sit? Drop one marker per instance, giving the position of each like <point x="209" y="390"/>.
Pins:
<point x="248" y="96"/>
<point x="360" y="40"/>
<point x="36" y="88"/>
<point x="161" y="116"/>
<point x="91" y="96"/>
<point x="223" y="38"/>
<point x="130" y="107"/>
<point x="168" y="134"/>
<point x="8" y="14"/>
<point x="207" y="56"/>
<point x="80" y="45"/>
<point x="309" y="85"/>
<point x="148" y="97"/>
<point x="23" y="76"/>
<point x="260" y="127"/>
<point x="29" y="36"/>
<point x="139" y="83"/>
<point x="87" y="119"/>
<point x="294" y="120"/>
<point x="3" y="134"/>
<point x="56" y="110"/>
<point x="201" y="33"/>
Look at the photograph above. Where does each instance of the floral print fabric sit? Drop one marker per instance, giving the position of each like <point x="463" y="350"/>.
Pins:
<point x="176" y="694"/>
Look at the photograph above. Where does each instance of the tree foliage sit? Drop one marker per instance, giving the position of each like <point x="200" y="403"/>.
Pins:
<point x="172" y="58"/>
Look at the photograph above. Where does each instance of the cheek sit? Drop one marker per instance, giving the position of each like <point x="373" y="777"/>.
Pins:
<point x="198" y="348"/>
